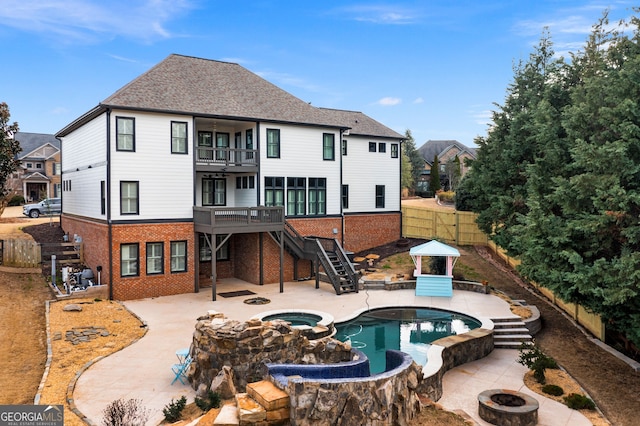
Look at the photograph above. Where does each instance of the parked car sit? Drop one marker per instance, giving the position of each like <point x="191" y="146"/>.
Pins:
<point x="44" y="207"/>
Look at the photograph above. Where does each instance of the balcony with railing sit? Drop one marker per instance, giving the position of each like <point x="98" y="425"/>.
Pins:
<point x="207" y="158"/>
<point x="224" y="220"/>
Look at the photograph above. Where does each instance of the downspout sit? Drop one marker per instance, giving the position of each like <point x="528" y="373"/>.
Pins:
<point x="108" y="201"/>
<point x="400" y="183"/>
<point x="196" y="255"/>
<point x="340" y="192"/>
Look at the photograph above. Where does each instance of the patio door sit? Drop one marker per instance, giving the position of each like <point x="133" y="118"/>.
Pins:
<point x="222" y="146"/>
<point x="214" y="192"/>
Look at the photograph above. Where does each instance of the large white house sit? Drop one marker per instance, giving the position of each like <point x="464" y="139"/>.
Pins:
<point x="197" y="156"/>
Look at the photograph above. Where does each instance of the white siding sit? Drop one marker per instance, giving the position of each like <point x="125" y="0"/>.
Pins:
<point x="301" y="156"/>
<point x="363" y="170"/>
<point x="84" y="165"/>
<point x="165" y="179"/>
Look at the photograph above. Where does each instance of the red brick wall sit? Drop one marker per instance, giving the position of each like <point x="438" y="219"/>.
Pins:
<point x="363" y="232"/>
<point x="143" y="286"/>
<point x="96" y="252"/>
<point x="95" y="243"/>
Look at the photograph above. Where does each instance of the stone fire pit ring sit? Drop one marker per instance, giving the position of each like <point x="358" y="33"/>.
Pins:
<point x="507" y="407"/>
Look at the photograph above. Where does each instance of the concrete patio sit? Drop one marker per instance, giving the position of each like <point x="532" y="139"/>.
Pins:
<point x="143" y="370"/>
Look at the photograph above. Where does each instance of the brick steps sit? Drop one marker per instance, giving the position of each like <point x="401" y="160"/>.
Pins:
<point x="262" y="405"/>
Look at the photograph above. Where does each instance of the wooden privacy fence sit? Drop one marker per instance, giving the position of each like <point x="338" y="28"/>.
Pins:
<point x="590" y="321"/>
<point x="455" y="227"/>
<point x="23" y="253"/>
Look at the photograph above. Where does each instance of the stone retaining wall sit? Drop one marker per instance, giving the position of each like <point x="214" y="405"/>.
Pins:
<point x="389" y="398"/>
<point x="449" y="352"/>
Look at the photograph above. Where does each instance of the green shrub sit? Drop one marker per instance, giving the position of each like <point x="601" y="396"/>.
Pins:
<point x="575" y="401"/>
<point x="16" y="200"/>
<point x="446" y="196"/>
<point x="174" y="409"/>
<point x="552" y="390"/>
<point x="212" y="400"/>
<point x="534" y="359"/>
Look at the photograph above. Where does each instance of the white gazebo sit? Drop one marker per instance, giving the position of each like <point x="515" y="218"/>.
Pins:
<point x="428" y="281"/>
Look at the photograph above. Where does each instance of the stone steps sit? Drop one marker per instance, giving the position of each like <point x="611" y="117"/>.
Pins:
<point x="263" y="404"/>
<point x="510" y="333"/>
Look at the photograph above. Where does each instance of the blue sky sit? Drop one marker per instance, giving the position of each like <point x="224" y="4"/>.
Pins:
<point x="435" y="67"/>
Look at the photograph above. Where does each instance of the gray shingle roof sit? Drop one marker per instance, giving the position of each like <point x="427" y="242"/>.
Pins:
<point x="360" y="123"/>
<point x="204" y="87"/>
<point x="32" y="141"/>
<point x="432" y="148"/>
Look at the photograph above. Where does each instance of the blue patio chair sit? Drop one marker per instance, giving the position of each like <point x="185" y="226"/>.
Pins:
<point x="180" y="370"/>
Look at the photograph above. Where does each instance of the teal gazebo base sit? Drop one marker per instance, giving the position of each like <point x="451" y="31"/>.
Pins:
<point x="434" y="285"/>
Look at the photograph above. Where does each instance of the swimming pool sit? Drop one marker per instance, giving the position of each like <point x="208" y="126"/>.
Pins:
<point x="410" y="330"/>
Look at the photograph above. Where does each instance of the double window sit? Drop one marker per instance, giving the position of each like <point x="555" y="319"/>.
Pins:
<point x="129" y="260"/>
<point x="155" y="258"/>
<point x="214" y="192"/>
<point x="273" y="143"/>
<point x="317" y="196"/>
<point x="129" y="201"/>
<point x="296" y="196"/>
<point x="328" y="146"/>
<point x="178" y="137"/>
<point x="245" y="182"/>
<point x="125" y="131"/>
<point x="273" y="191"/>
<point x="178" y="256"/>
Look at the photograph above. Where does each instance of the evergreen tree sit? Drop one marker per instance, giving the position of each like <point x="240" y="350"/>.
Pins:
<point x="414" y="158"/>
<point x="9" y="148"/>
<point x="512" y="145"/>
<point x="434" y="179"/>
<point x="582" y="239"/>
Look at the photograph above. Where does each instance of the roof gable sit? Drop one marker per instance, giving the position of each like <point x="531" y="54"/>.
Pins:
<point x="431" y="148"/>
<point x="38" y="145"/>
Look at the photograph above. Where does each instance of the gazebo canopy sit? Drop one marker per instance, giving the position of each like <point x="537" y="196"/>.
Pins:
<point x="434" y="248"/>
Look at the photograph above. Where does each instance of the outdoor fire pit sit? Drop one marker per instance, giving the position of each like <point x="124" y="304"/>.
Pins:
<point x="507" y="408"/>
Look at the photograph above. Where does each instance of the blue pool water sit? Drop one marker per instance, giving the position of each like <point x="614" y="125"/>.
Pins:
<point x="409" y="330"/>
<point x="295" y="318"/>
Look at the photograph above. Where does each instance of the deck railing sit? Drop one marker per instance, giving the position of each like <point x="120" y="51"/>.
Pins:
<point x="238" y="219"/>
<point x="226" y="156"/>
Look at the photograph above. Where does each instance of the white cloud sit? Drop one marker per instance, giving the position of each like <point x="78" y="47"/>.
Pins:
<point x="389" y="101"/>
<point x="380" y="14"/>
<point x="418" y="100"/>
<point x="73" y="21"/>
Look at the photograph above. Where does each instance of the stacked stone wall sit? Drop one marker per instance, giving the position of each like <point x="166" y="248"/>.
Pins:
<point x="247" y="347"/>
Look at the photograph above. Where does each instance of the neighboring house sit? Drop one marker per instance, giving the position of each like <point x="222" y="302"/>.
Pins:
<point x="197" y="156"/>
<point x="446" y="150"/>
<point x="38" y="176"/>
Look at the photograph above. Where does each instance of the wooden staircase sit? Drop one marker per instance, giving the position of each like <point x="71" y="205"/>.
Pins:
<point x="263" y="404"/>
<point x="343" y="282"/>
<point x="510" y="333"/>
